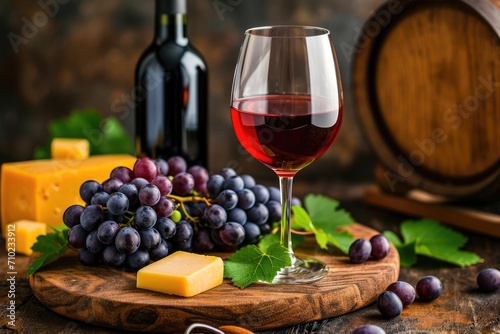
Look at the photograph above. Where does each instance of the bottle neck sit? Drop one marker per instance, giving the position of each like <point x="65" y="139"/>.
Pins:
<point x="170" y="22"/>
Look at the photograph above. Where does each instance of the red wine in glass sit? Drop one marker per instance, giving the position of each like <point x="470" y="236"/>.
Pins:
<point x="283" y="132"/>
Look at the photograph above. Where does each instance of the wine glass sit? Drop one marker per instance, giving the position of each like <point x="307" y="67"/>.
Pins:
<point x="286" y="111"/>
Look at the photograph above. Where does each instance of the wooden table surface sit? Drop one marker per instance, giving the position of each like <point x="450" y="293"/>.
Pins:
<point x="462" y="308"/>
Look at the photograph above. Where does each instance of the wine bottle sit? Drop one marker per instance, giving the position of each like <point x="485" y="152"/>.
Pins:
<point x="171" y="91"/>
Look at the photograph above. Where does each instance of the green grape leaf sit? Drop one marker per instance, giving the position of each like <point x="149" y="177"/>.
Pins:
<point x="51" y="246"/>
<point x="432" y="239"/>
<point x="268" y="240"/>
<point x="324" y="212"/>
<point x="105" y="136"/>
<point x="325" y="220"/>
<point x="251" y="264"/>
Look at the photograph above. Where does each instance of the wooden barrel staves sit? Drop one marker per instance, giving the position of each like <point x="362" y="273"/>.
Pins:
<point x="426" y="88"/>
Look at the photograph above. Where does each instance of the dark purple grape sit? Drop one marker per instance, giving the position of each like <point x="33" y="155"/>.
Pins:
<point x="404" y="290"/>
<point x="185" y="246"/>
<point x="248" y="180"/>
<point x="228" y="199"/>
<point x="261" y="194"/>
<point x="252" y="233"/>
<point x="164" y="184"/>
<point x="164" y="207"/>
<point x="227" y="172"/>
<point x="202" y="242"/>
<point x="274" y="208"/>
<point x="111" y="185"/>
<point x="264" y="228"/>
<point x="488" y="280"/>
<point x="214" y="234"/>
<point x="145" y="217"/>
<point x="274" y="194"/>
<point x="159" y="252"/>
<point x="100" y="198"/>
<point x="232" y="234"/>
<point x="117" y="204"/>
<point x="122" y="173"/>
<point x="197" y="208"/>
<point x="91" y="217"/>
<point x="88" y="189"/>
<point x="215" y="215"/>
<point x="146" y="168"/>
<point x="112" y="257"/>
<point x="259" y="214"/>
<point x="130" y="190"/>
<point x="184" y="232"/>
<point x="162" y="165"/>
<point x="139" y="182"/>
<point x="94" y="245"/>
<point x="77" y="237"/>
<point x="214" y="185"/>
<point x="380" y="247"/>
<point x="150" y="238"/>
<point x="200" y="175"/>
<point x="71" y="215"/>
<point x="237" y="215"/>
<point x="183" y="183"/>
<point x="176" y="165"/>
<point x="429" y="288"/>
<point x="88" y="258"/>
<point x="389" y="304"/>
<point x="234" y="182"/>
<point x="360" y="250"/>
<point x="106" y="232"/>
<point x="149" y="195"/>
<point x="166" y="227"/>
<point x="137" y="260"/>
<point x="127" y="240"/>
<point x="368" y="329"/>
<point x="246" y="199"/>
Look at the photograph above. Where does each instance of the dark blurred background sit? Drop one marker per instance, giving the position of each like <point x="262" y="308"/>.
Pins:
<point x="82" y="54"/>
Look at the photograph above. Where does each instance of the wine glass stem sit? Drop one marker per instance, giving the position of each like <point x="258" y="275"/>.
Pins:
<point x="286" y="207"/>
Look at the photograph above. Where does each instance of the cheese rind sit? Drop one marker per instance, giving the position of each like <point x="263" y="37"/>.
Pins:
<point x="183" y="274"/>
<point x="41" y="190"/>
<point x="69" y="149"/>
<point x="25" y="234"/>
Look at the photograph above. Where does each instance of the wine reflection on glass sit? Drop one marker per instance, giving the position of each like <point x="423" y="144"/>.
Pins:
<point x="286" y="111"/>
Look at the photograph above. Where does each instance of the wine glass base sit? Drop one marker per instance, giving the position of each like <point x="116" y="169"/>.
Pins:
<point x="303" y="270"/>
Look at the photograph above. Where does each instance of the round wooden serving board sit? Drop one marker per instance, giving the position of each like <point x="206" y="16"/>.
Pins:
<point x="109" y="297"/>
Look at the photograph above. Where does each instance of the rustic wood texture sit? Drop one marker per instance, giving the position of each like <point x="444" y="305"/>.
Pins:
<point x="108" y="297"/>
<point x="426" y="85"/>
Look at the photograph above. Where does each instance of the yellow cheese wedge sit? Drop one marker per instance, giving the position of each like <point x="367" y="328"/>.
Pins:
<point x="183" y="274"/>
<point x="69" y="149"/>
<point x="41" y="190"/>
<point x="23" y="234"/>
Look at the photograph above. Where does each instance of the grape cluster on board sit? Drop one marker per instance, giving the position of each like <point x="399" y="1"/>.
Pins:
<point x="159" y="206"/>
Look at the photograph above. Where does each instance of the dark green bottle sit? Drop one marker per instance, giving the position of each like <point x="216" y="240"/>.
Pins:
<point x="171" y="91"/>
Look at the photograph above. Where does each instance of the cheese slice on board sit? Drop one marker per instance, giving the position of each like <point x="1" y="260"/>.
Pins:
<point x="24" y="235"/>
<point x="183" y="274"/>
<point x="41" y="190"/>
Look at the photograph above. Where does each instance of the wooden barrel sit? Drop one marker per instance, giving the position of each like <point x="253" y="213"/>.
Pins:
<point x="426" y="89"/>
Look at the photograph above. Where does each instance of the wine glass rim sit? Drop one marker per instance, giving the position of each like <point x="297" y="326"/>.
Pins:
<point x="255" y="31"/>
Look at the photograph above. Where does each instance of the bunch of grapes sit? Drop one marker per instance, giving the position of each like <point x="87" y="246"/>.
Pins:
<point x="142" y="214"/>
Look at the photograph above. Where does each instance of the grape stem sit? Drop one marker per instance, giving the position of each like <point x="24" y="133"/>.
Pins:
<point x="302" y="232"/>
<point x="182" y="200"/>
